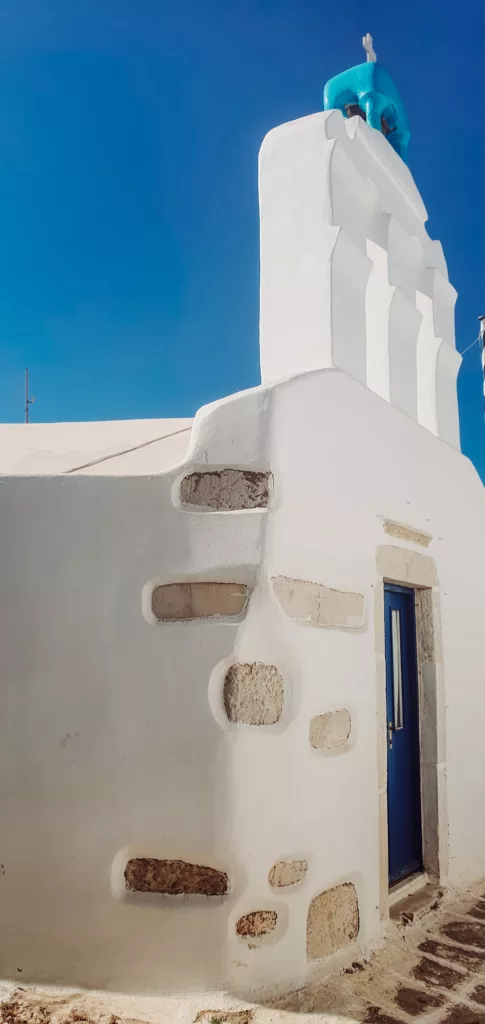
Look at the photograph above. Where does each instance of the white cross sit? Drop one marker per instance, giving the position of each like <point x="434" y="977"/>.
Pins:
<point x="367" y="44"/>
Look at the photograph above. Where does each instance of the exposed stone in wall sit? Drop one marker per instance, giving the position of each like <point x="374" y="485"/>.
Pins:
<point x="226" y="489"/>
<point x="405" y="566"/>
<point x="259" y="922"/>
<point x="333" y="921"/>
<point x="172" y="602"/>
<point x="225" y="1016"/>
<point x="330" y="730"/>
<point x="175" y="877"/>
<point x="409" y="533"/>
<point x="254" y="694"/>
<point x="318" y="605"/>
<point x="428" y="624"/>
<point x="287" y="872"/>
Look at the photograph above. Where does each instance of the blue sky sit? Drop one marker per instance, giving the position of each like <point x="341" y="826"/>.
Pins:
<point x="129" y="132"/>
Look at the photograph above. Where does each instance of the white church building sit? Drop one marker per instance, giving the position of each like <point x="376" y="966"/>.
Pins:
<point x="243" y="673"/>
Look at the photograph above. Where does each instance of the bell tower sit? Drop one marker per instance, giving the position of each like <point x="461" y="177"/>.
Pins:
<point x="350" y="279"/>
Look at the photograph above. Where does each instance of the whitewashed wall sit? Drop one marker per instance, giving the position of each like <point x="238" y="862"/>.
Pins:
<point x="110" y="740"/>
<point x="114" y="740"/>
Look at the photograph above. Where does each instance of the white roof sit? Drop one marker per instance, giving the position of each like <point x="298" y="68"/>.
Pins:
<point x="107" y="448"/>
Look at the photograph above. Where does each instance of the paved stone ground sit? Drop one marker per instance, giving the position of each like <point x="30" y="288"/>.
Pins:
<point x="430" y="970"/>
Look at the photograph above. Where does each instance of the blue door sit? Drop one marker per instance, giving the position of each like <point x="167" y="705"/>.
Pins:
<point x="403" y="775"/>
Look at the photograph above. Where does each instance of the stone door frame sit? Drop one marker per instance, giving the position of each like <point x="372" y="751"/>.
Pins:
<point x="409" y="568"/>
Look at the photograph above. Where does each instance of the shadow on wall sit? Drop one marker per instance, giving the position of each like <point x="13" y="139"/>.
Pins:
<point x="107" y="738"/>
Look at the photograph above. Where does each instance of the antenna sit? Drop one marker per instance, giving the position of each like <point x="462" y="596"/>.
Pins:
<point x="28" y="401"/>
<point x="367" y="42"/>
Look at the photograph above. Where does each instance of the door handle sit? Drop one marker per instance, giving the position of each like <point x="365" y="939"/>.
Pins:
<point x="390" y="730"/>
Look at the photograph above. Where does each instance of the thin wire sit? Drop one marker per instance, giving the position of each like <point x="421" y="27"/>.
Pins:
<point x="145" y="444"/>
<point x="126" y="451"/>
<point x="465" y="350"/>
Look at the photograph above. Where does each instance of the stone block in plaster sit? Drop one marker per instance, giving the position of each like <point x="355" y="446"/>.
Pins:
<point x="435" y="820"/>
<point x="409" y="533"/>
<point x="173" y="602"/>
<point x="330" y="730"/>
<point x="317" y="604"/>
<point x="332" y="922"/>
<point x="287" y="872"/>
<point x="428" y="625"/>
<point x="254" y="694"/>
<point x="257" y="923"/>
<point x="226" y="490"/>
<point x="174" y="877"/>
<point x="433" y="713"/>
<point x="400" y="565"/>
